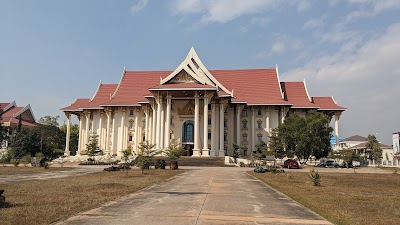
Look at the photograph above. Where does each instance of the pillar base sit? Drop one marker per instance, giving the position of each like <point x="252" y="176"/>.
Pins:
<point x="196" y="152"/>
<point x="205" y="153"/>
<point x="67" y="153"/>
<point x="212" y="153"/>
<point x="221" y="153"/>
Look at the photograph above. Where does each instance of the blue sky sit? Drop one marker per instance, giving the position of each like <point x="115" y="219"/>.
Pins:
<point x="52" y="52"/>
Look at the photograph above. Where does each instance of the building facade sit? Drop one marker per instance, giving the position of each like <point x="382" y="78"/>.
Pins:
<point x="206" y="110"/>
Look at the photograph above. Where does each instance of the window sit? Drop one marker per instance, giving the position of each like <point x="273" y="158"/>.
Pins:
<point x="131" y="112"/>
<point x="130" y="138"/>
<point x="225" y="122"/>
<point x="244" y="112"/>
<point x="225" y="136"/>
<point x="244" y="124"/>
<point x="244" y="137"/>
<point x="259" y="124"/>
<point x="259" y="112"/>
<point x="209" y="119"/>
<point x="244" y="148"/>
<point x="130" y="124"/>
<point x="209" y="106"/>
<point x="259" y="137"/>
<point x="209" y="134"/>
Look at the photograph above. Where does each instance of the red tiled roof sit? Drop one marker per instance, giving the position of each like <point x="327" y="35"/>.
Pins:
<point x="102" y="96"/>
<point x="3" y="105"/>
<point x="327" y="103"/>
<point x="190" y="86"/>
<point x="135" y="85"/>
<point x="254" y="86"/>
<point x="296" y="94"/>
<point x="77" y="105"/>
<point x="11" y="113"/>
<point x="23" y="122"/>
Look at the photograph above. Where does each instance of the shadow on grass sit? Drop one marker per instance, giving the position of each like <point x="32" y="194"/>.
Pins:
<point x="9" y="205"/>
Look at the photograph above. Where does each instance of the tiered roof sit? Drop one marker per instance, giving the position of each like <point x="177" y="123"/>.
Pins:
<point x="250" y="86"/>
<point x="12" y="112"/>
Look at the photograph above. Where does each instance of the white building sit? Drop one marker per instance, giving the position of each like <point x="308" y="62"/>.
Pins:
<point x="206" y="110"/>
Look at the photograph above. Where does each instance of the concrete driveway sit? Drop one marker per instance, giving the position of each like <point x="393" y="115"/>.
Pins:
<point x="202" y="196"/>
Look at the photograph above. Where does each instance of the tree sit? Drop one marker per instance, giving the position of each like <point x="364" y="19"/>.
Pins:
<point x="126" y="154"/>
<point x="52" y="140"/>
<point x="373" y="148"/>
<point x="3" y="129"/>
<point x="23" y="142"/>
<point x="50" y="120"/>
<point x="173" y="152"/>
<point x="348" y="156"/>
<point x="276" y="147"/>
<point x="235" y="152"/>
<point x="146" y="155"/>
<point x="92" y="146"/>
<point x="303" y="137"/>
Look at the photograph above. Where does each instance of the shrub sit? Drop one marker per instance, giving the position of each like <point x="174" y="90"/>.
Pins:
<point x="315" y="177"/>
<point x="15" y="162"/>
<point x="259" y="169"/>
<point x="160" y="164"/>
<point x="27" y="159"/>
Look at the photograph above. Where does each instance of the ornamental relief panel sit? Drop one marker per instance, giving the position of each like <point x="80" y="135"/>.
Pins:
<point x="182" y="76"/>
<point x="188" y="110"/>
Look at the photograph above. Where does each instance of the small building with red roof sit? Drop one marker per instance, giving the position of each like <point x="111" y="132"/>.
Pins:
<point x="11" y="115"/>
<point x="206" y="110"/>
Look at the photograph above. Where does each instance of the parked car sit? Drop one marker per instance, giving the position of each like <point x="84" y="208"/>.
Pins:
<point x="329" y="164"/>
<point x="291" y="164"/>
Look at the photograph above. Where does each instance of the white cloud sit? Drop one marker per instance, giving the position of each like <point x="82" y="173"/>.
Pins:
<point x="278" y="47"/>
<point x="370" y="8"/>
<point x="314" y="23"/>
<point x="223" y="11"/>
<point x="138" y="6"/>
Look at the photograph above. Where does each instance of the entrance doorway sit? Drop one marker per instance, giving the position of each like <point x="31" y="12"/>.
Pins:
<point x="188" y="137"/>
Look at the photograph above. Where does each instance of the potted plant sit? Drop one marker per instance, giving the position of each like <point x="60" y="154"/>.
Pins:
<point x="173" y="152"/>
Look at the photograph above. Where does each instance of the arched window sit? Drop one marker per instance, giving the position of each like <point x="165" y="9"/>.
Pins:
<point x="259" y="137"/>
<point x="131" y="124"/>
<point x="188" y="131"/>
<point x="244" y="124"/>
<point x="259" y="124"/>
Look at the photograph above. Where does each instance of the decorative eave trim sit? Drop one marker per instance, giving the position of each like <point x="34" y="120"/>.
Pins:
<point x="97" y="91"/>
<point x="279" y="82"/>
<point x="26" y="108"/>
<point x="305" y="107"/>
<point x="13" y="103"/>
<point x="332" y="109"/>
<point x="305" y="87"/>
<point x="121" y="105"/>
<point x="119" y="84"/>
<point x="177" y="89"/>
<point x="272" y="104"/>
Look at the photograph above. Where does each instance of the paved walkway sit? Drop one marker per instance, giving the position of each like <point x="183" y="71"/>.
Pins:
<point x="12" y="178"/>
<point x="202" y="196"/>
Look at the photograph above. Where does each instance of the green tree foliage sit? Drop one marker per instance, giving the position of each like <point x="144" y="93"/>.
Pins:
<point x="126" y="154"/>
<point x="50" y="120"/>
<point x="373" y="148"/>
<point x="3" y="129"/>
<point x="74" y="137"/>
<point x="303" y="137"/>
<point x="26" y="141"/>
<point x="348" y="156"/>
<point x="235" y="151"/>
<point x="276" y="147"/>
<point x="174" y="152"/>
<point x="146" y="155"/>
<point x="92" y="147"/>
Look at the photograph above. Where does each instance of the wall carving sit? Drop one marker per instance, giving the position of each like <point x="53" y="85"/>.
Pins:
<point x="183" y="76"/>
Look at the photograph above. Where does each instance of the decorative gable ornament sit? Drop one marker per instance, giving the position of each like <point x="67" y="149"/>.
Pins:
<point x="193" y="70"/>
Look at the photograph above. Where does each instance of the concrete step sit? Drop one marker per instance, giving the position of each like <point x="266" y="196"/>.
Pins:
<point x="198" y="161"/>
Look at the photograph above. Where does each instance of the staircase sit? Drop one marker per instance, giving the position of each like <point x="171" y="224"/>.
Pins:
<point x="198" y="161"/>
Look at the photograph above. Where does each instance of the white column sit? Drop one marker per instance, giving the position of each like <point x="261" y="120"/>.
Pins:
<point x="267" y="121"/>
<point x="283" y="114"/>
<point x="136" y="134"/>
<point x="101" y="130"/>
<point x="162" y="125"/>
<point x="146" y="128"/>
<point x="113" y="142"/>
<point x="123" y="129"/>
<point x="253" y="128"/>
<point x="221" y="152"/>
<point x="67" y="152"/>
<point x="168" y="122"/>
<point x="196" y="150"/>
<point x="87" y="129"/>
<point x="213" y="130"/>
<point x="81" y="138"/>
<point x="108" y="132"/>
<point x="337" y="117"/>
<point x="158" y="127"/>
<point x="238" y="111"/>
<point x="205" y="151"/>
<point x="154" y="119"/>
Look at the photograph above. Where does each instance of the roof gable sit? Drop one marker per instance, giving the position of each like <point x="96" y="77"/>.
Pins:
<point x="193" y="70"/>
<point x="296" y="93"/>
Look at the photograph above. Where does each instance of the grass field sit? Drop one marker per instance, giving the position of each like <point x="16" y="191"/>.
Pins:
<point x="343" y="198"/>
<point x="47" y="201"/>
<point x="10" y="170"/>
